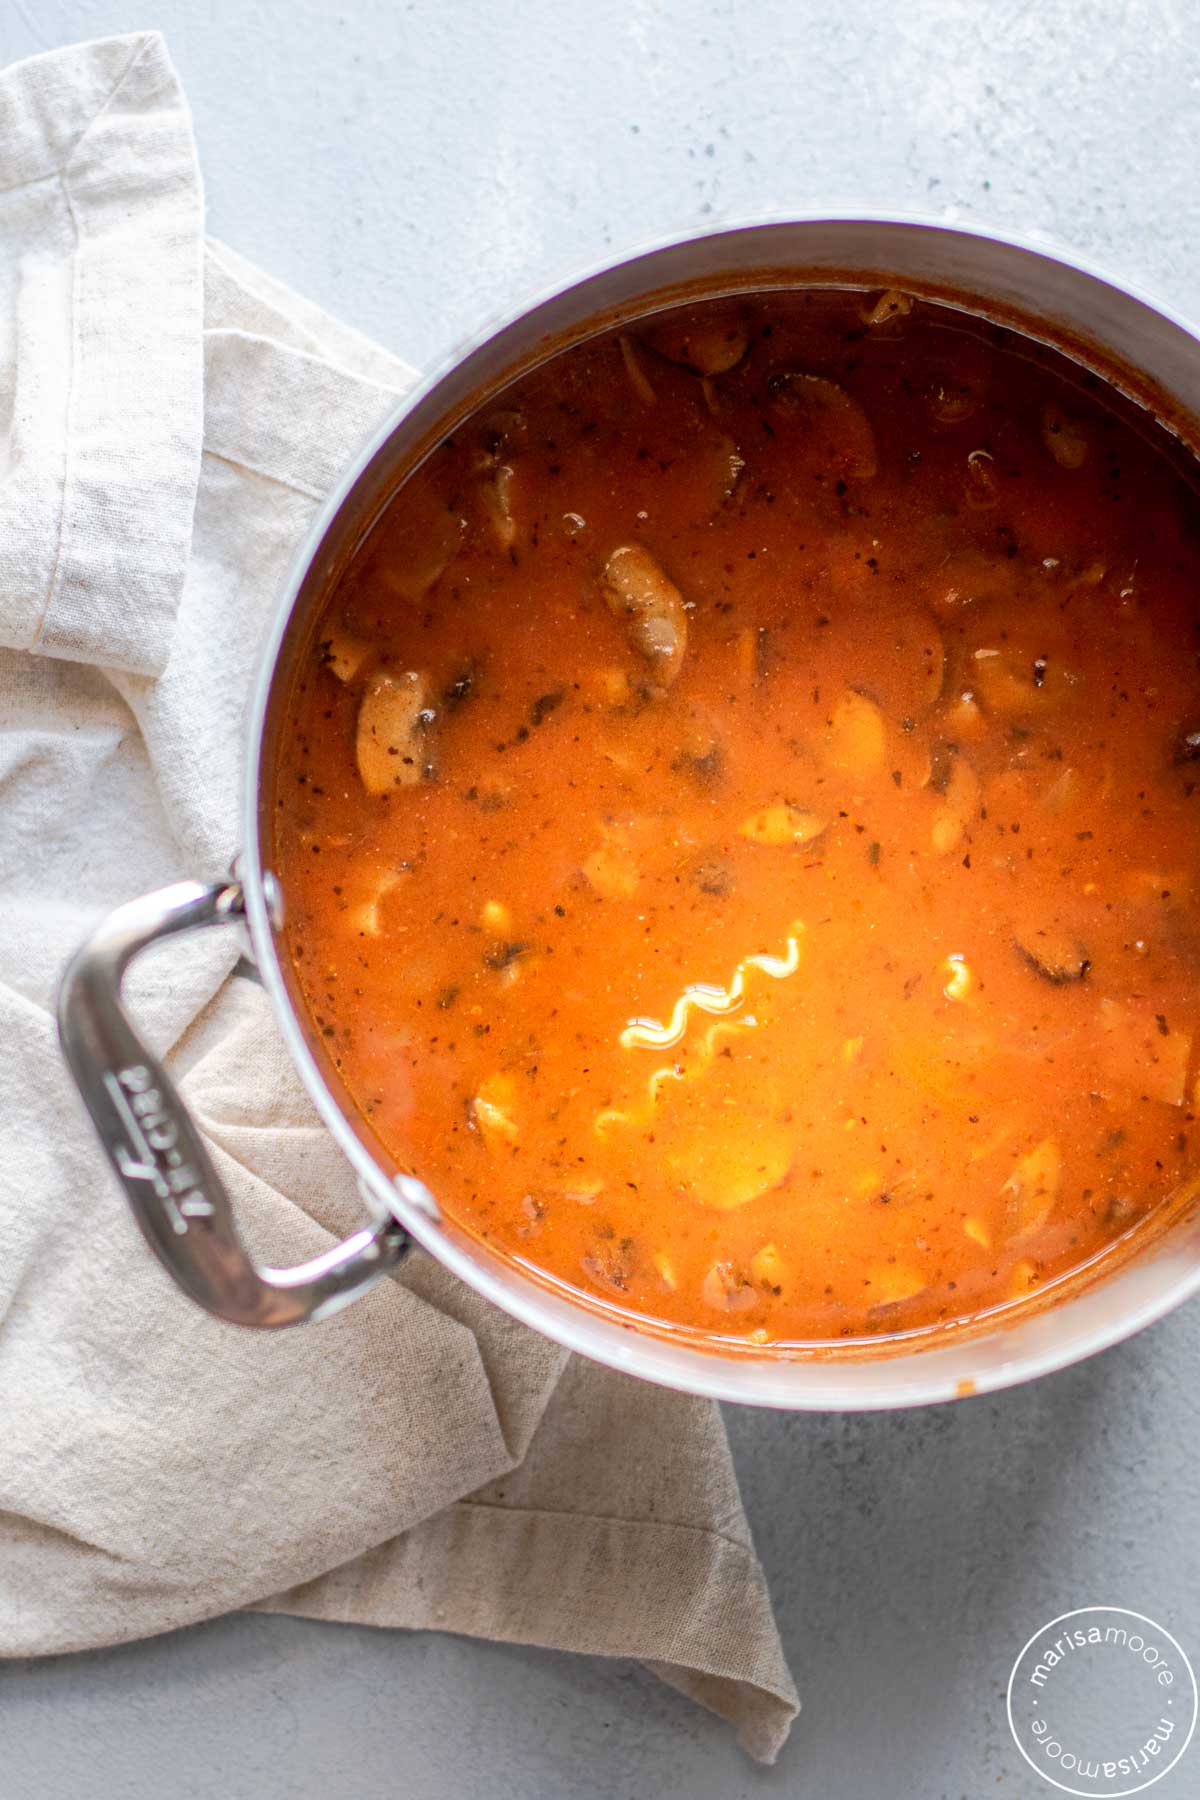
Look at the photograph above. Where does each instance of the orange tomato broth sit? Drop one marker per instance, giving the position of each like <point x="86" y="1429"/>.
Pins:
<point x="834" y="973"/>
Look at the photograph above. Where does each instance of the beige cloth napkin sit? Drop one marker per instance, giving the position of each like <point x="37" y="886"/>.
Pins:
<point x="169" y="420"/>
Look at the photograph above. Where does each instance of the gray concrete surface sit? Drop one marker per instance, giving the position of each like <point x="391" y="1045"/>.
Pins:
<point x="414" y="167"/>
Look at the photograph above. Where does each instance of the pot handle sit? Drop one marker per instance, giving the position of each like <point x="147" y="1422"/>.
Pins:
<point x="158" y="1154"/>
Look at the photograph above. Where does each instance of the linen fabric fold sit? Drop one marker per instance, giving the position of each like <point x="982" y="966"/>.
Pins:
<point x="170" y="421"/>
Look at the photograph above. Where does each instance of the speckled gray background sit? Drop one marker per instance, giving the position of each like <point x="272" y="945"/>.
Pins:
<point x="415" y="167"/>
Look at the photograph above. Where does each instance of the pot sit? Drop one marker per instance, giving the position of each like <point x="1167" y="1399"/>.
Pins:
<point x="159" y="1156"/>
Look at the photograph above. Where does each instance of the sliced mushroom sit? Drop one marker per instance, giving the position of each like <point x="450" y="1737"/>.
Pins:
<point x="393" y="745"/>
<point x="711" y="341"/>
<point x="832" y="415"/>
<point x="728" y="1288"/>
<point x="953" y="402"/>
<point x="982" y="484"/>
<point x="1057" y="956"/>
<point x="783" y="824"/>
<point x="637" y="590"/>
<point x="497" y="497"/>
<point x="1064" y="437"/>
<point x="612" y="1262"/>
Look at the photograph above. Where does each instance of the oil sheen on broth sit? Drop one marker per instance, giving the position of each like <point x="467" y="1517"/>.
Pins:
<point x="740" y="824"/>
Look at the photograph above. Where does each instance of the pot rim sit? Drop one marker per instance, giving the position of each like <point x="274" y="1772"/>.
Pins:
<point x="975" y="1361"/>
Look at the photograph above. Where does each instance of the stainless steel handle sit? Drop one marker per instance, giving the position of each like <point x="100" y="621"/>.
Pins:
<point x="161" y="1159"/>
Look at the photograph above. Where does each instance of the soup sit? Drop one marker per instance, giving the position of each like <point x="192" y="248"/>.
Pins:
<point x="739" y="824"/>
